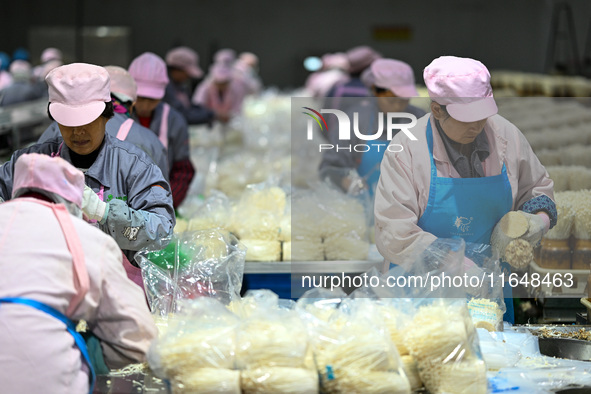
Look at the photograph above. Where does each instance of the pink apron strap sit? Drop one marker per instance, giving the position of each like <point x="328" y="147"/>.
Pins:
<point x="79" y="272"/>
<point x="59" y="151"/>
<point x="124" y="129"/>
<point x="133" y="273"/>
<point x="81" y="279"/>
<point x="163" y="137"/>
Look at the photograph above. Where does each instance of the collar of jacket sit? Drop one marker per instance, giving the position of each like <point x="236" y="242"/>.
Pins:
<point x="102" y="168"/>
<point x="440" y="155"/>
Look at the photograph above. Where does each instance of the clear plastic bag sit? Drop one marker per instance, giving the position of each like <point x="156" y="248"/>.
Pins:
<point x="197" y="352"/>
<point x="352" y="348"/>
<point x="327" y="223"/>
<point x="214" y="212"/>
<point x="207" y="263"/>
<point x="272" y="338"/>
<point x="272" y="347"/>
<point x="443" y="341"/>
<point x="484" y="288"/>
<point x="258" y="214"/>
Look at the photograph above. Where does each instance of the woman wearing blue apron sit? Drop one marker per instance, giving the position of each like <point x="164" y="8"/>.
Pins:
<point x="475" y="165"/>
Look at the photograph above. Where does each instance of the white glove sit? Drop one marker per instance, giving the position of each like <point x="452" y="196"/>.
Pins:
<point x="1" y="200"/>
<point x="537" y="227"/>
<point x="92" y="205"/>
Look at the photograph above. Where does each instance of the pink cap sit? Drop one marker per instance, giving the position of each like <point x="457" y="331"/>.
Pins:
<point x="360" y="58"/>
<point x="394" y="75"/>
<point x="249" y="59"/>
<point x="186" y="59"/>
<point x="122" y="83"/>
<point x="21" y="69"/>
<point x="221" y="73"/>
<point x="463" y="85"/>
<point x="151" y="77"/>
<point x="34" y="171"/>
<point x="77" y="93"/>
<point x="51" y="54"/>
<point x="368" y="78"/>
<point x="48" y="66"/>
<point x="335" y="60"/>
<point x="225" y="56"/>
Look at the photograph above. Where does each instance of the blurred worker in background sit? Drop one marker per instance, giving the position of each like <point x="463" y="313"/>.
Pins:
<point x="467" y="166"/>
<point x="246" y="69"/>
<point x="359" y="58"/>
<point x="225" y="56"/>
<point x="334" y="71"/>
<point x="50" y="59"/>
<point x="5" y="77"/>
<point x="391" y="83"/>
<point x="54" y="271"/>
<point x="126" y="194"/>
<point x="23" y="88"/>
<point x="21" y="53"/>
<point x="150" y="74"/>
<point x="183" y="67"/>
<point x="222" y="92"/>
<point x="121" y="126"/>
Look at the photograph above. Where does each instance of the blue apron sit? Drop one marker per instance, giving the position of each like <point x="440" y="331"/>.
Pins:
<point x="468" y="208"/>
<point x="369" y="168"/>
<point x="70" y="327"/>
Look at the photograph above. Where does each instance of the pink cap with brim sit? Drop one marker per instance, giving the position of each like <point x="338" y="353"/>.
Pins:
<point x="360" y="58"/>
<point x="21" y="69"/>
<point x="34" y="171"/>
<point x="150" y="74"/>
<point x="368" y="78"/>
<point x="394" y="75"/>
<point x="186" y="59"/>
<point x="122" y="83"/>
<point x="51" y="54"/>
<point x="463" y="86"/>
<point x="249" y="58"/>
<point x="77" y="93"/>
<point x="335" y="60"/>
<point x="221" y="73"/>
<point x="225" y="56"/>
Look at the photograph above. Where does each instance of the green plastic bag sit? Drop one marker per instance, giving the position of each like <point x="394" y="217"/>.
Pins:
<point x="165" y="258"/>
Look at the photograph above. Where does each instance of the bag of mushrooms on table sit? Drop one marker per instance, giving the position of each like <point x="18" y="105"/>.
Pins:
<point x="197" y="353"/>
<point x="272" y="349"/>
<point x="440" y="336"/>
<point x="352" y="349"/>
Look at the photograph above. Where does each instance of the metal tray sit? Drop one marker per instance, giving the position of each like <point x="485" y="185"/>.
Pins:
<point x="573" y="349"/>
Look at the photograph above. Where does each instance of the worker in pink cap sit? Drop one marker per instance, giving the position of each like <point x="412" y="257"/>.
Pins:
<point x="126" y="194"/>
<point x="183" y="69"/>
<point x="121" y="125"/>
<point x="55" y="270"/>
<point x="466" y="169"/>
<point x="22" y="88"/>
<point x="222" y="92"/>
<point x="225" y="56"/>
<point x="359" y="58"/>
<point x="391" y="83"/>
<point x="334" y="71"/>
<point x="150" y="74"/>
<point x="50" y="59"/>
<point x="246" y="69"/>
